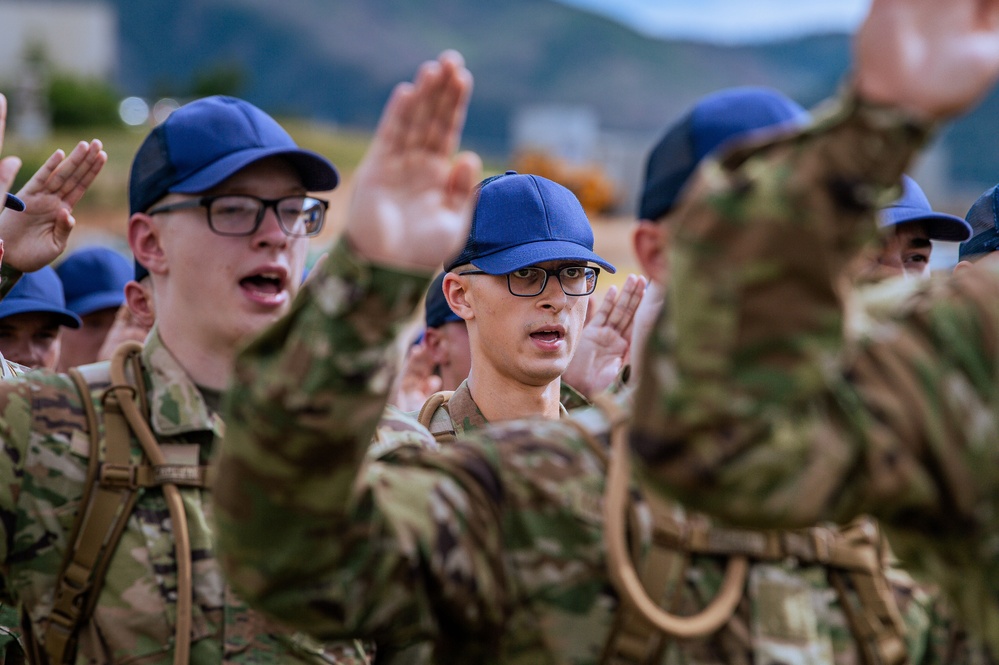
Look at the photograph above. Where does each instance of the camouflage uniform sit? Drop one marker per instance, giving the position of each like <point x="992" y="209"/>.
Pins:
<point x="753" y="383"/>
<point x="43" y="428"/>
<point x="490" y="548"/>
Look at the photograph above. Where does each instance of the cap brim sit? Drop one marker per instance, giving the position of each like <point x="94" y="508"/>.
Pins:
<point x="938" y="225"/>
<point x="28" y="305"/>
<point x="93" y="302"/>
<point x="317" y="173"/>
<point x="529" y="254"/>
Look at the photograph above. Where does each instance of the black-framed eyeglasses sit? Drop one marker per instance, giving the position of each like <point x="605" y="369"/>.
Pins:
<point x="242" y="214"/>
<point x="531" y="281"/>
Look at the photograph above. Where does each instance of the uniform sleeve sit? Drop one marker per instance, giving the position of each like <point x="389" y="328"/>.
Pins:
<point x="15" y="435"/>
<point x="753" y="404"/>
<point x="311" y="527"/>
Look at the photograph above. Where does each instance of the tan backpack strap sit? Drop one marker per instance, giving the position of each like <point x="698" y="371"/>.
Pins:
<point x="436" y="419"/>
<point x="622" y="572"/>
<point x="877" y="623"/>
<point x="182" y="541"/>
<point x="104" y="510"/>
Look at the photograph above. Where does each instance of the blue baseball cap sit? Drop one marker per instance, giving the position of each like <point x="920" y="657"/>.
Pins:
<point x="913" y="206"/>
<point x="521" y="220"/>
<point x="94" y="278"/>
<point x="208" y="140"/>
<point x="39" y="291"/>
<point x="983" y="216"/>
<point x="436" y="310"/>
<point x="713" y="122"/>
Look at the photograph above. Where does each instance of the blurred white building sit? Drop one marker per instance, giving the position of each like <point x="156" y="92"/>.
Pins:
<point x="78" y="37"/>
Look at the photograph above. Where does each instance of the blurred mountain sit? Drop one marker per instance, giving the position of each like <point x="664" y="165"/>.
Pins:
<point x="337" y="60"/>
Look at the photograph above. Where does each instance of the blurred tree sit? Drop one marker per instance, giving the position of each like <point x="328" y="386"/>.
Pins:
<point x="76" y="102"/>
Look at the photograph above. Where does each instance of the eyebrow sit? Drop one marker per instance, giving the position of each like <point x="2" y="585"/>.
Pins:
<point x="919" y="243"/>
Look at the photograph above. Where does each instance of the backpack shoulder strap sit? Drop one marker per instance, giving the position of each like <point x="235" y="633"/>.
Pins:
<point x="108" y="498"/>
<point x="434" y="416"/>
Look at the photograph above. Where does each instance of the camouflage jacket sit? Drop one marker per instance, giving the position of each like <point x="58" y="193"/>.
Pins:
<point x="753" y="382"/>
<point x="490" y="548"/>
<point x="44" y="462"/>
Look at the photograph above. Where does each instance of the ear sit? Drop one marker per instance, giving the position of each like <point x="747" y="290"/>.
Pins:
<point x="649" y="241"/>
<point x="962" y="266"/>
<point x="456" y="293"/>
<point x="433" y="340"/>
<point x="144" y="241"/>
<point x="140" y="302"/>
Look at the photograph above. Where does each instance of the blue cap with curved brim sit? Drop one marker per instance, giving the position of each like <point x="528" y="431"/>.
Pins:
<point x="94" y="278"/>
<point x="713" y="123"/>
<point x="39" y="291"/>
<point x="983" y="216"/>
<point x="521" y="220"/>
<point x="913" y="206"/>
<point x="208" y="140"/>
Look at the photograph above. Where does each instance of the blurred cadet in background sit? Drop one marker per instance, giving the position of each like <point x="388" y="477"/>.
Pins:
<point x="93" y="279"/>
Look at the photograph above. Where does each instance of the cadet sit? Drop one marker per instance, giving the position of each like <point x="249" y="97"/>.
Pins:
<point x="112" y="559"/>
<point x="94" y="280"/>
<point x="491" y="548"/>
<point x="32" y="318"/>
<point x="750" y="379"/>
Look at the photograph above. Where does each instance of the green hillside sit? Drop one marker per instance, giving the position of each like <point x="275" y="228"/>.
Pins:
<point x="336" y="61"/>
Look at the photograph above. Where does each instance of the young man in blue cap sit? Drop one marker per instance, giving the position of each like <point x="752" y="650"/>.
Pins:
<point x="520" y="285"/>
<point x="93" y="279"/>
<point x="32" y="318"/>
<point x="220" y="217"/>
<point x="908" y="226"/>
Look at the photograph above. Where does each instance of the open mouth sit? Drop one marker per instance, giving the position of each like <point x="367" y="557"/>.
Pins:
<point x="547" y="335"/>
<point x="264" y="284"/>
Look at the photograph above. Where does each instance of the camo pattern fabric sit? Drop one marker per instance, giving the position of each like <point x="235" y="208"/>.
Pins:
<point x="42" y="470"/>
<point x="756" y="405"/>
<point x="490" y="548"/>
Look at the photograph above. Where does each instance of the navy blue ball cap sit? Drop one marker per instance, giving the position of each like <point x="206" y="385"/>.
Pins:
<point x="93" y="278"/>
<point x="436" y="310"/>
<point x="39" y="291"/>
<point x="983" y="216"/>
<point x="521" y="220"/>
<point x="208" y="140"/>
<point x="714" y="121"/>
<point x="913" y="206"/>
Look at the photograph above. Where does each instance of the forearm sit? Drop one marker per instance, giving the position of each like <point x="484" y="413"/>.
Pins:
<point x="740" y="377"/>
<point x="305" y="402"/>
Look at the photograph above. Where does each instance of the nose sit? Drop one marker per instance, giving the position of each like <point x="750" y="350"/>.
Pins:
<point x="553" y="297"/>
<point x="270" y="233"/>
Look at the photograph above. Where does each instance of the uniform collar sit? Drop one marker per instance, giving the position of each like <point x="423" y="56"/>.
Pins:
<point x="465" y="414"/>
<point x="176" y="405"/>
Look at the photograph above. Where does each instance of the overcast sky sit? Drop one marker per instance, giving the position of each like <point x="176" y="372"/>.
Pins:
<point x="731" y="20"/>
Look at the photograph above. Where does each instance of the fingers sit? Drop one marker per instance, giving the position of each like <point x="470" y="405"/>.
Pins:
<point x="37" y="181"/>
<point x="80" y="179"/>
<point x="601" y="316"/>
<point x="623" y="315"/>
<point x="618" y="308"/>
<point x="433" y="116"/>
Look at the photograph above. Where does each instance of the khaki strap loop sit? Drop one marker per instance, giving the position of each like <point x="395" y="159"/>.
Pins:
<point x="622" y="571"/>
